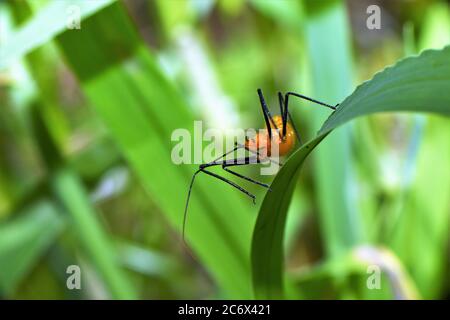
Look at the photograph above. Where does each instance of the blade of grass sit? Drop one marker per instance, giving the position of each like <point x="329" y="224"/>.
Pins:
<point x="43" y="115"/>
<point x="420" y="236"/>
<point x="24" y="240"/>
<point x="47" y="23"/>
<point x="142" y="109"/>
<point x="90" y="232"/>
<point x="332" y="80"/>
<point x="314" y="281"/>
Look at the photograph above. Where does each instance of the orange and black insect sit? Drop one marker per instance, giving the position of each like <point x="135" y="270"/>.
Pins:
<point x="279" y="129"/>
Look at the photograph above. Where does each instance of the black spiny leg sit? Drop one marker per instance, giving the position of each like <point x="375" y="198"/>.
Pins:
<point x="286" y="103"/>
<point x="259" y="155"/>
<point x="231" y="183"/>
<point x="202" y="169"/>
<point x="266" y="112"/>
<point x="244" y="161"/>
<point x="224" y="163"/>
<point x="282" y="103"/>
<point x="310" y="99"/>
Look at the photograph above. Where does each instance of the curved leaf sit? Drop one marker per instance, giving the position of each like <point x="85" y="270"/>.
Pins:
<point x="420" y="84"/>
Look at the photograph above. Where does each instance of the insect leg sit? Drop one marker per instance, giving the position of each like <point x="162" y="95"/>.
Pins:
<point x="244" y="161"/>
<point x="266" y="112"/>
<point x="286" y="102"/>
<point x="286" y="96"/>
<point x="214" y="162"/>
<point x="259" y="155"/>
<point x="284" y="110"/>
<point x="187" y="204"/>
<point x="235" y="162"/>
<point x="237" y="146"/>
<point x="202" y="169"/>
<point x="231" y="183"/>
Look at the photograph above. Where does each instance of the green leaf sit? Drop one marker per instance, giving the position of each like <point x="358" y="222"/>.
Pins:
<point x="331" y="69"/>
<point x="267" y="248"/>
<point x="141" y="109"/>
<point x="47" y="24"/>
<point x="24" y="240"/>
<point x="423" y="222"/>
<point x="419" y="84"/>
<point x="89" y="230"/>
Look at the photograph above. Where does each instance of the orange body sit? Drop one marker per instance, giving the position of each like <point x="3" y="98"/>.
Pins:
<point x="263" y="144"/>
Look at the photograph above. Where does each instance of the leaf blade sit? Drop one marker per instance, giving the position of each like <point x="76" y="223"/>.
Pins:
<point x="141" y="109"/>
<point x="412" y="75"/>
<point x="50" y="22"/>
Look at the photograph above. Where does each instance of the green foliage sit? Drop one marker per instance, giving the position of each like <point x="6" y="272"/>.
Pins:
<point x="50" y="22"/>
<point x="90" y="233"/>
<point x="132" y="97"/>
<point x="331" y="65"/>
<point x="420" y="80"/>
<point x="86" y="175"/>
<point x="24" y="240"/>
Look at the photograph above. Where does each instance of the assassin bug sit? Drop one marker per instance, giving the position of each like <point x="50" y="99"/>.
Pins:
<point x="280" y="130"/>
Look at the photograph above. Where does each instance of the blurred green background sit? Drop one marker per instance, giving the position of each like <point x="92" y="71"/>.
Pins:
<point x="86" y="176"/>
